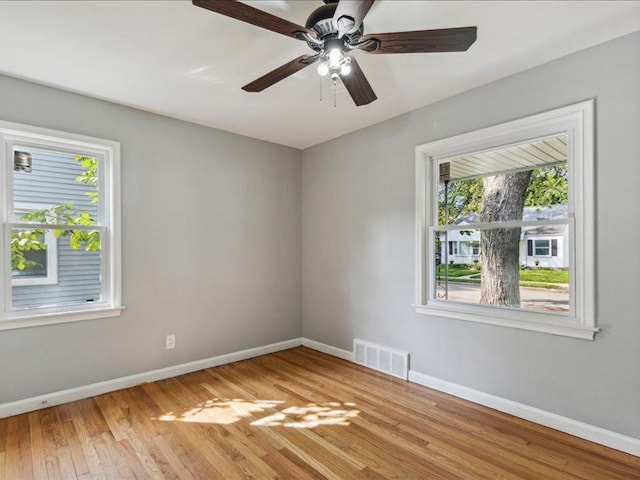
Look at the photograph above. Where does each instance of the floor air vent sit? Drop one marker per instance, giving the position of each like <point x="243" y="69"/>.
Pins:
<point x="381" y="358"/>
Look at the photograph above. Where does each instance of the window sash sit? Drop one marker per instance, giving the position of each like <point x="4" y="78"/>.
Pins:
<point x="103" y="212"/>
<point x="10" y="283"/>
<point x="431" y="270"/>
<point x="510" y="224"/>
<point x="52" y="226"/>
<point x="541" y="248"/>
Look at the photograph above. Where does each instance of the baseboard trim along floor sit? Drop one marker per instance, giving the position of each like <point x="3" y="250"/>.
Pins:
<point x="558" y="422"/>
<point x="85" y="391"/>
<point x="579" y="429"/>
<point x="542" y="417"/>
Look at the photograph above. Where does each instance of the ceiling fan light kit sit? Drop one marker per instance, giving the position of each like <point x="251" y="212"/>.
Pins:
<point x="332" y="31"/>
<point x="333" y="60"/>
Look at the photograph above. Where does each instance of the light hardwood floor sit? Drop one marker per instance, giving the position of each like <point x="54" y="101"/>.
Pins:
<point x="297" y="414"/>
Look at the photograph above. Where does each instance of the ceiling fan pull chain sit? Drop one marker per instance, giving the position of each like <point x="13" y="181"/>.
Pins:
<point x="320" y="88"/>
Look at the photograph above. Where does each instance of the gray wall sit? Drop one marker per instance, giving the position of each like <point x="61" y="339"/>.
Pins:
<point x="212" y="237"/>
<point x="211" y="247"/>
<point x="359" y="254"/>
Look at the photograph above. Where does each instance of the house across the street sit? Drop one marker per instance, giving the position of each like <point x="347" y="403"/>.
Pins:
<point x="540" y="246"/>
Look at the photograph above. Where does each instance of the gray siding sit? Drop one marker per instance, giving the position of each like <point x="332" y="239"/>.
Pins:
<point x="52" y="181"/>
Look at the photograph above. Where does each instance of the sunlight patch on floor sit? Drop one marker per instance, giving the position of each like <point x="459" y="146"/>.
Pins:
<point x="276" y="414"/>
<point x="311" y="416"/>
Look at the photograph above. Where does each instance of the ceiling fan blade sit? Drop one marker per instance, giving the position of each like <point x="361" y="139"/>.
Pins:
<point x="246" y="13"/>
<point x="358" y="86"/>
<point x="349" y="15"/>
<point x="423" y="41"/>
<point x="281" y="73"/>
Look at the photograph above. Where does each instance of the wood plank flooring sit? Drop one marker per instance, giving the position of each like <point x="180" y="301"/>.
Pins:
<point x="295" y="415"/>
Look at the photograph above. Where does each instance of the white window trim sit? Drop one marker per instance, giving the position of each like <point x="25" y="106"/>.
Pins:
<point x="578" y="122"/>
<point x="108" y="153"/>
<point x="52" y="252"/>
<point x="542" y="239"/>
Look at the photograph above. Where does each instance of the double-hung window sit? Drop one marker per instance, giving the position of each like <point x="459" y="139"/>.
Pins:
<point x="60" y="244"/>
<point x="518" y="198"/>
<point x="543" y="247"/>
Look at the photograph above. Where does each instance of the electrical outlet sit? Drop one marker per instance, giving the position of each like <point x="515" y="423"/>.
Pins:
<point x="171" y="341"/>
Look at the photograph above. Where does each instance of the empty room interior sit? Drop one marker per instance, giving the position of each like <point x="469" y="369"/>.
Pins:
<point x="319" y="239"/>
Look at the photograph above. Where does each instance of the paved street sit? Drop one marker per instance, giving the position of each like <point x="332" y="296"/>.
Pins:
<point x="556" y="300"/>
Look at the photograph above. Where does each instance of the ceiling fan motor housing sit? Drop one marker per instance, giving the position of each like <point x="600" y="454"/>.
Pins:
<point x="321" y="22"/>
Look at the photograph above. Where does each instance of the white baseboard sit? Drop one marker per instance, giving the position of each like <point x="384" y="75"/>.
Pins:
<point x="579" y="429"/>
<point x="542" y="417"/>
<point x="328" y="349"/>
<point x="78" y="393"/>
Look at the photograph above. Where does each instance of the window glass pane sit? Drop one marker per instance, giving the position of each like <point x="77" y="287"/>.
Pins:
<point x="31" y="253"/>
<point x="522" y="182"/>
<point x="500" y="274"/>
<point x="64" y="186"/>
<point x="542" y="247"/>
<point x="78" y="267"/>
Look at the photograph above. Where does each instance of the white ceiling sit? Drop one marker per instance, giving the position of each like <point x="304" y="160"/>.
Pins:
<point x="172" y="58"/>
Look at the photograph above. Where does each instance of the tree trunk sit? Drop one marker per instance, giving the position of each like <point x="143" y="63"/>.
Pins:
<point x="502" y="200"/>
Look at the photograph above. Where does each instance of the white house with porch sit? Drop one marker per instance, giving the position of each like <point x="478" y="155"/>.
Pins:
<point x="542" y="246"/>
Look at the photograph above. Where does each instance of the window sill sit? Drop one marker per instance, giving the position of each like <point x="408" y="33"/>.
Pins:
<point x="565" y="329"/>
<point x="13" y="321"/>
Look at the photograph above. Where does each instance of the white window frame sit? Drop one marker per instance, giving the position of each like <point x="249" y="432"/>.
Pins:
<point x="535" y="241"/>
<point x="108" y="154"/>
<point x="51" y="242"/>
<point x="577" y="121"/>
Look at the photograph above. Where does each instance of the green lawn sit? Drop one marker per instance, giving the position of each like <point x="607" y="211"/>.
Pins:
<point x="528" y="276"/>
<point x="547" y="275"/>
<point x="459" y="270"/>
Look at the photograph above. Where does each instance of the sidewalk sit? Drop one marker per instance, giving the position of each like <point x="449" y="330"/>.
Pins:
<point x="550" y="300"/>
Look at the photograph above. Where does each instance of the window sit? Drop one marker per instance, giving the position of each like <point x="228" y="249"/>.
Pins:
<point x="542" y="247"/>
<point x="469" y="248"/>
<point x="519" y="196"/>
<point x="60" y="257"/>
<point x="40" y="266"/>
<point x="453" y="248"/>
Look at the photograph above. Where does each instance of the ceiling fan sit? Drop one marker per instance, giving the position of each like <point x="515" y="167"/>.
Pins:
<point x="332" y="31"/>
